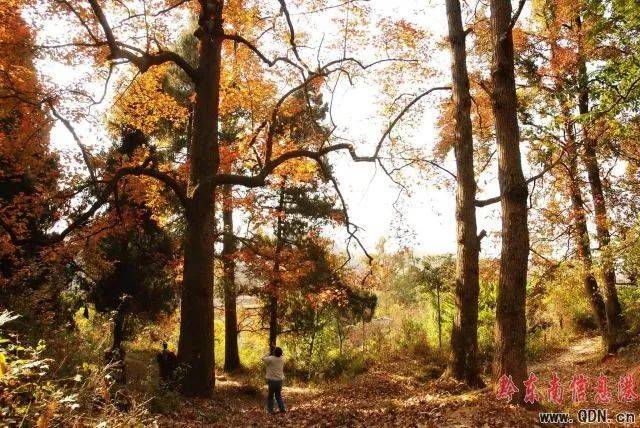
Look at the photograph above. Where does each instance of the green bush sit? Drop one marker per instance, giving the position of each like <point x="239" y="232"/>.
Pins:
<point x="630" y="301"/>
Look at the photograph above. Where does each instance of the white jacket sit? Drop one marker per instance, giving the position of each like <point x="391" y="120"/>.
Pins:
<point x="275" y="367"/>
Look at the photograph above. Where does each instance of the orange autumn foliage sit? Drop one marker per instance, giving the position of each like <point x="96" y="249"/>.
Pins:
<point x="28" y="169"/>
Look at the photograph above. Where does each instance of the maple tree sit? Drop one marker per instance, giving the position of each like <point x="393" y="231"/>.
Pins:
<point x="28" y="168"/>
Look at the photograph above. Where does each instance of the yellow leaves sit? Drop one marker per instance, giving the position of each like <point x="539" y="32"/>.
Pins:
<point x="145" y="106"/>
<point x="244" y="84"/>
<point x="242" y="17"/>
<point x="300" y="169"/>
<point x="520" y="39"/>
<point x="401" y="37"/>
<point x="3" y="365"/>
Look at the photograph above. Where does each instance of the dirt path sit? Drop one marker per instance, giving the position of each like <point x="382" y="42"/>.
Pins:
<point x="582" y="351"/>
<point x="397" y="395"/>
<point x="392" y="397"/>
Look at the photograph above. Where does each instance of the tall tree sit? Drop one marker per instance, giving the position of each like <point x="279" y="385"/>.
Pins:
<point x="463" y="363"/>
<point x="511" y="323"/>
<point x="580" y="230"/>
<point x="616" y="323"/>
<point x="302" y="210"/>
<point x="231" y="352"/>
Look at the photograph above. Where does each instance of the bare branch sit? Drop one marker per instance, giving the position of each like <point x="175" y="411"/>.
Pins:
<point x="495" y="199"/>
<point x="348" y="224"/>
<point x="143" y="61"/>
<point x="86" y="156"/>
<point x="292" y="34"/>
<point x="403" y="112"/>
<point x="271" y="164"/>
<point x="270" y="62"/>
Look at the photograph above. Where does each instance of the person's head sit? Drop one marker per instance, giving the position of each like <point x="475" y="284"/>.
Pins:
<point x="165" y="346"/>
<point x="277" y="352"/>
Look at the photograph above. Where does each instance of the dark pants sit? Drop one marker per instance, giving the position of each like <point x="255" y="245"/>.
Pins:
<point x="275" y="390"/>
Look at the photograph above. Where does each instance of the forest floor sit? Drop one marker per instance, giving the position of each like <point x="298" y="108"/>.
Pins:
<point x="402" y="394"/>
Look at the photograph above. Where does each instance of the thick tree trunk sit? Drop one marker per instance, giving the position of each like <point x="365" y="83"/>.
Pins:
<point x="231" y="354"/>
<point x="615" y="319"/>
<point x="581" y="232"/>
<point x="463" y="364"/>
<point x="273" y="299"/>
<point x="511" y="324"/>
<point x="195" y="347"/>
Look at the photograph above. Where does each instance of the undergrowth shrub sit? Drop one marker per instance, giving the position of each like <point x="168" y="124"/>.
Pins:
<point x="32" y="393"/>
<point x="630" y="301"/>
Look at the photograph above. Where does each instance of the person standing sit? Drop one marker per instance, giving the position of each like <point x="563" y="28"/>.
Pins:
<point x="275" y="376"/>
<point x="167" y="364"/>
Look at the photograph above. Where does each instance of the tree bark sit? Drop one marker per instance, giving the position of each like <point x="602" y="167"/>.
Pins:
<point x="439" y="317"/>
<point x="231" y="354"/>
<point x="463" y="364"/>
<point x="196" y="343"/>
<point x="118" y="328"/>
<point x="114" y="356"/>
<point x="273" y="299"/>
<point x="581" y="232"/>
<point x="615" y="319"/>
<point x="511" y="324"/>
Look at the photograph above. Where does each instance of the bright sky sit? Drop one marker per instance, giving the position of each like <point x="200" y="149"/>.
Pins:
<point x="427" y="219"/>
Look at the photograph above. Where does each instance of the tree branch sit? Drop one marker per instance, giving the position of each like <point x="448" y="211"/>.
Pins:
<point x="292" y="34"/>
<point x="102" y="199"/>
<point x="86" y="156"/>
<point x="177" y="187"/>
<point x="270" y="62"/>
<point x="495" y="199"/>
<point x="513" y="21"/>
<point x="143" y="61"/>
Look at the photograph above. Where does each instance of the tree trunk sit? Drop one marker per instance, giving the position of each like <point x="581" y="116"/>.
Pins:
<point x="273" y="321"/>
<point x="581" y="232"/>
<point x="615" y="319"/>
<point x="118" y="328"/>
<point x="196" y="352"/>
<point x="463" y="364"/>
<point x="439" y="317"/>
<point x="231" y="354"/>
<point x="115" y="355"/>
<point x="340" y="335"/>
<point x="273" y="300"/>
<point x="511" y="323"/>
